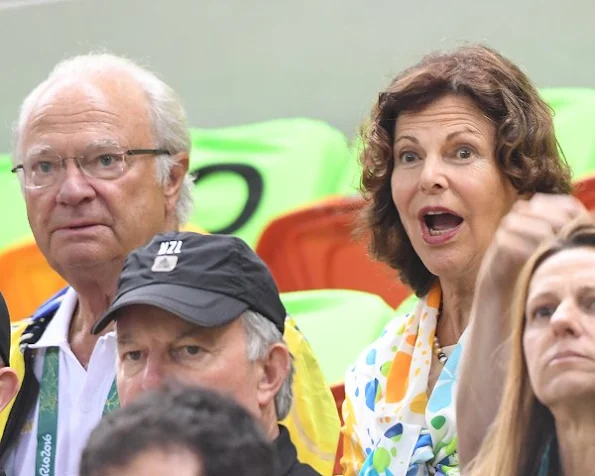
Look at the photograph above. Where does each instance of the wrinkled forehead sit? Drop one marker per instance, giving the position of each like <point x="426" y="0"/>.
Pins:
<point x="92" y="145"/>
<point x="69" y="116"/>
<point x="139" y="323"/>
<point x="143" y="319"/>
<point x="446" y="112"/>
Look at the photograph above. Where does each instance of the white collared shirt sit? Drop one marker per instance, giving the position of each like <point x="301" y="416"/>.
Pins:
<point x="81" y="396"/>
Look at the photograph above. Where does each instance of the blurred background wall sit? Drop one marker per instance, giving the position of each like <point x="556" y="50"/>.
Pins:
<point x="238" y="61"/>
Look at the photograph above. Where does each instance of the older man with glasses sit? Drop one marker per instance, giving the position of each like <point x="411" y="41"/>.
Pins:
<point x="101" y="148"/>
<point x="127" y="136"/>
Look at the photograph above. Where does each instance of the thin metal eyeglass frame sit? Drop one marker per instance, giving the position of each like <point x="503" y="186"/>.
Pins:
<point x="129" y="152"/>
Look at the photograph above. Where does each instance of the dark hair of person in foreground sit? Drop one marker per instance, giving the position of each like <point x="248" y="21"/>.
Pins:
<point x="220" y="437"/>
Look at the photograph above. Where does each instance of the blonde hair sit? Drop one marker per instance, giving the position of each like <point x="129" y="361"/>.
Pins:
<point x="524" y="428"/>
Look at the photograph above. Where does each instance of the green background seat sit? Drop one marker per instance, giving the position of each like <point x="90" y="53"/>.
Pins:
<point x="574" y="123"/>
<point x="15" y="225"/>
<point x="299" y="161"/>
<point x="338" y="324"/>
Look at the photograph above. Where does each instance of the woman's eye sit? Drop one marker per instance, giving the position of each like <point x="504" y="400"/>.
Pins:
<point x="543" y="312"/>
<point x="408" y="157"/>
<point x="589" y="304"/>
<point x="464" y="153"/>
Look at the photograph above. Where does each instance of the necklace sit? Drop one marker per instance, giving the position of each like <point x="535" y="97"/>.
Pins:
<point x="442" y="357"/>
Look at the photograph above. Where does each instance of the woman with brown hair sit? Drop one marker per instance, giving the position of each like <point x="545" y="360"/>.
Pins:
<point x="451" y="145"/>
<point x="546" y="420"/>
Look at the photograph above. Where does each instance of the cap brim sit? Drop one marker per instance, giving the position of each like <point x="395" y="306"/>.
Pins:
<point x="197" y="306"/>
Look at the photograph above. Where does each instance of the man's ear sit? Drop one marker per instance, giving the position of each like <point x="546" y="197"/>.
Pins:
<point x="173" y="186"/>
<point x="276" y="366"/>
<point x="9" y="386"/>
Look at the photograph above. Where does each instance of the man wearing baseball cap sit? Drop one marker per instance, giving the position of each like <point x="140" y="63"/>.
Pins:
<point x="205" y="310"/>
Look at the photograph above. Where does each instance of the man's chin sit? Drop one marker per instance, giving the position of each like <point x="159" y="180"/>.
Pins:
<point x="86" y="255"/>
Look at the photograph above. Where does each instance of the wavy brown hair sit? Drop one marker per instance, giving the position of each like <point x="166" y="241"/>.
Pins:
<point x="526" y="147"/>
<point x="524" y="428"/>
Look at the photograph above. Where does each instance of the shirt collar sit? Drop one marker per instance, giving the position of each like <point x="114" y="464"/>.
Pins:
<point x="56" y="333"/>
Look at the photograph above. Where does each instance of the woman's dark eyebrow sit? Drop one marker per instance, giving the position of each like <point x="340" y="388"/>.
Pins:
<point x="411" y="138"/>
<point x="466" y="130"/>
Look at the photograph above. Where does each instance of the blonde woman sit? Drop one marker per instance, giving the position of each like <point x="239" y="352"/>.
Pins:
<point x="546" y="420"/>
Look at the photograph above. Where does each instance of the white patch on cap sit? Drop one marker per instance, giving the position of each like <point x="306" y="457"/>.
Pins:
<point x="164" y="264"/>
<point x="170" y="247"/>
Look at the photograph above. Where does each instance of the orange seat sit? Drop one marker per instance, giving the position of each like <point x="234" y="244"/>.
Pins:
<point x="584" y="190"/>
<point x="313" y="248"/>
<point x="26" y="279"/>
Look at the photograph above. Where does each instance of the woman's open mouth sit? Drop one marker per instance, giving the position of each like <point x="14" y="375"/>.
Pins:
<point x="439" y="225"/>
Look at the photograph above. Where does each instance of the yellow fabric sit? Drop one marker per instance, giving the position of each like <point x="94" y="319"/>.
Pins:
<point x="17" y="362"/>
<point x="194" y="228"/>
<point x="313" y="422"/>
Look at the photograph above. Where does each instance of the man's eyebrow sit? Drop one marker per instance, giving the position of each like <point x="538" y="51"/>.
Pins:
<point x="103" y="144"/>
<point x="39" y="149"/>
<point x="127" y="337"/>
<point x="124" y="338"/>
<point x="207" y="335"/>
<point x="192" y="331"/>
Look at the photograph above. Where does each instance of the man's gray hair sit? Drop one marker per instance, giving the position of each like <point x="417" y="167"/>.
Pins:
<point x="261" y="335"/>
<point x="168" y="119"/>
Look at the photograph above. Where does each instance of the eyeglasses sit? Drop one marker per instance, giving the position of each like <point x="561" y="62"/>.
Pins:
<point x="45" y="170"/>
